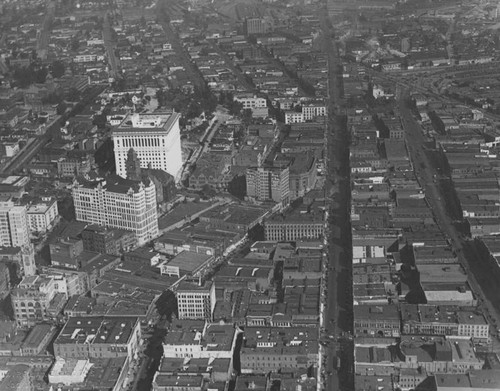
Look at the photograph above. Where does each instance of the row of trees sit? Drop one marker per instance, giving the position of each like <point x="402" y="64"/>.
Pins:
<point x="37" y="73"/>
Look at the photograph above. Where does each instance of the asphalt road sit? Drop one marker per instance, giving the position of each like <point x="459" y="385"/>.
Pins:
<point x="26" y="155"/>
<point x="44" y="36"/>
<point x="338" y="294"/>
<point x="113" y="62"/>
<point x="236" y="72"/>
<point x="172" y="37"/>
<point x="426" y="174"/>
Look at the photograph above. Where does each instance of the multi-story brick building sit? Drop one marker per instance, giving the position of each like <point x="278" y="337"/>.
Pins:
<point x="43" y="215"/>
<point x="107" y="241"/>
<point x="304" y="222"/>
<point x="266" y="349"/>
<point x="302" y="175"/>
<point x="196" y="301"/>
<point x="443" y="320"/>
<point x="377" y="320"/>
<point x="99" y="337"/>
<point x="38" y="298"/>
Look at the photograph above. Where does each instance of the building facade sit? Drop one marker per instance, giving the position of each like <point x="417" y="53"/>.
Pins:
<point x="99" y="337"/>
<point x="107" y="241"/>
<point x="268" y="184"/>
<point x="310" y="111"/>
<point x="155" y="139"/>
<point x="119" y="203"/>
<point x="305" y="222"/>
<point x="36" y="299"/>
<point x="14" y="229"/>
<point x="196" y="302"/>
<point x="43" y="215"/>
<point x="251" y="102"/>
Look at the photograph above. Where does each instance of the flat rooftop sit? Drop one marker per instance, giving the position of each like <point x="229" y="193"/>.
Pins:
<point x="37" y="334"/>
<point x="447" y="273"/>
<point x="147" y="122"/>
<point x="88" y="329"/>
<point x="385" y="312"/>
<point x="304" y="214"/>
<point x="236" y="214"/>
<point x="189" y="261"/>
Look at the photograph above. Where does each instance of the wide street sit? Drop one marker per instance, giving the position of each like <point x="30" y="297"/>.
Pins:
<point x="337" y="326"/>
<point x="110" y="46"/>
<point x="44" y="34"/>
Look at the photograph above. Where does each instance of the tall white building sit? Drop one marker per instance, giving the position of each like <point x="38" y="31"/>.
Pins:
<point x="119" y="203"/>
<point x="14" y="228"/>
<point x="154" y="137"/>
<point x="268" y="183"/>
<point x="15" y="232"/>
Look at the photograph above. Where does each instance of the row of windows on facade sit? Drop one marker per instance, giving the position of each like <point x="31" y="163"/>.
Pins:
<point x="142" y="142"/>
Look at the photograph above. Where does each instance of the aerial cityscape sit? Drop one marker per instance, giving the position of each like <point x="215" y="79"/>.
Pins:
<point x="266" y="195"/>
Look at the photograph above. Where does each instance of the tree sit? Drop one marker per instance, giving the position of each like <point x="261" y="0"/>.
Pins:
<point x="66" y="208"/>
<point x="73" y="95"/>
<point x="207" y="191"/>
<point x="235" y="107"/>
<point x="61" y="108"/>
<point x="238" y="186"/>
<point x="75" y="44"/>
<point x="58" y="69"/>
<point x="105" y="157"/>
<point x="166" y="305"/>
<point x="100" y="121"/>
<point x="23" y="76"/>
<point x="52" y="99"/>
<point x="246" y="116"/>
<point x="41" y="75"/>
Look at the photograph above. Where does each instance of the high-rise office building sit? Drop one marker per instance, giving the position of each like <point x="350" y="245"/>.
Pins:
<point x="119" y="203"/>
<point x="155" y="138"/>
<point x="14" y="227"/>
<point x="268" y="184"/>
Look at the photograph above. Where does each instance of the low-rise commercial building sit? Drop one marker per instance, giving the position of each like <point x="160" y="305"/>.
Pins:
<point x="99" y="337"/>
<point x="200" y="340"/>
<point x="37" y="340"/>
<point x="443" y="320"/>
<point x="270" y="349"/>
<point x="106" y="240"/>
<point x="304" y="222"/>
<point x="377" y="320"/>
